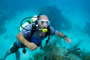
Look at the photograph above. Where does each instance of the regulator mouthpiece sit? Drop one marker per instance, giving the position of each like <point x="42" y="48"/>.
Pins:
<point x="44" y="30"/>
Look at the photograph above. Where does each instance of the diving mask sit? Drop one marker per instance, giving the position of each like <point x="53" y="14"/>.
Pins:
<point x="44" y="22"/>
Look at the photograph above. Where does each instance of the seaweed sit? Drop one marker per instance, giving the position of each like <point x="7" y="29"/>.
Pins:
<point x="75" y="49"/>
<point x="48" y="52"/>
<point x="54" y="52"/>
<point x="85" y="55"/>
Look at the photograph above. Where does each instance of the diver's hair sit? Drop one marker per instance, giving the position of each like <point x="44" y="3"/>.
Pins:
<point x="40" y="15"/>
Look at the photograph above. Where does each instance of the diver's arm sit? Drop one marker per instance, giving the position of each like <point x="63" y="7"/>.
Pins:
<point x="30" y="45"/>
<point x="60" y="34"/>
<point x="64" y="36"/>
<point x="21" y="38"/>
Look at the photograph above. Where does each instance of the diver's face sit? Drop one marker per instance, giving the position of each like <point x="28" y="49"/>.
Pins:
<point x="43" y="22"/>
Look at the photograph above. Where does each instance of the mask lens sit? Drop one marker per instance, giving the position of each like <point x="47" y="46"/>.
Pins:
<point x="42" y="22"/>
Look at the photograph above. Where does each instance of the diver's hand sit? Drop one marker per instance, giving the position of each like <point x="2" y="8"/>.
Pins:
<point x="31" y="46"/>
<point x="68" y="40"/>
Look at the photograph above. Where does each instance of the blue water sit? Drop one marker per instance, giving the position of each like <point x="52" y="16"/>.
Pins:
<point x="74" y="21"/>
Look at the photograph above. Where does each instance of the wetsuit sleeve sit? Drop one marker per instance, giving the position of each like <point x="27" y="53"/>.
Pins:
<point x="53" y="31"/>
<point x="27" y="31"/>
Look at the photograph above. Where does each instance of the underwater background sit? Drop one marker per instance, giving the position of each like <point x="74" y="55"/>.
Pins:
<point x="72" y="17"/>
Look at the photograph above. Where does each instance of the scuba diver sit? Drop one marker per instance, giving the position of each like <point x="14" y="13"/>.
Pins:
<point x="32" y="35"/>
